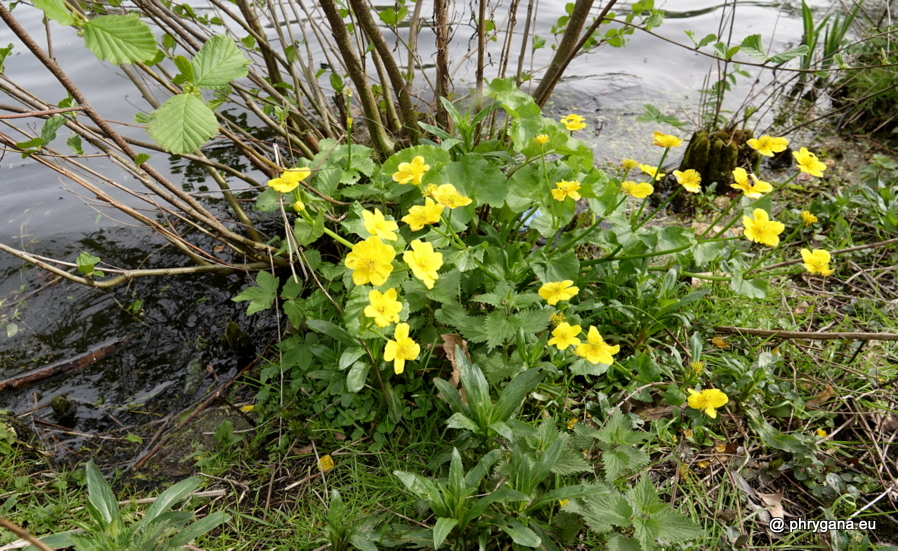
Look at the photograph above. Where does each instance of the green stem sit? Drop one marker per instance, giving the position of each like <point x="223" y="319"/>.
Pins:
<point x="652" y="183"/>
<point x="338" y="238"/>
<point x="589" y="230"/>
<point x="660" y="207"/>
<point x="551" y="197"/>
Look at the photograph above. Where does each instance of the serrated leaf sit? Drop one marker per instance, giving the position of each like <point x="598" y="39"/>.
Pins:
<point x="606" y="510"/>
<point x="182" y="124"/>
<point x="295" y="312"/>
<point x="120" y="38"/>
<point x="647" y="530"/>
<point x="56" y="10"/>
<point x="644" y="497"/>
<point x="676" y="527"/>
<point x="534" y="321"/>
<point x="500" y="328"/>
<point x="74" y="144"/>
<point x="571" y="462"/>
<point x="218" y="62"/>
<point x="753" y="47"/>
<point x="471" y="327"/>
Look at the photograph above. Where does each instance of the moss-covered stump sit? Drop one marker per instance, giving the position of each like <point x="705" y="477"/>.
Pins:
<point x="714" y="156"/>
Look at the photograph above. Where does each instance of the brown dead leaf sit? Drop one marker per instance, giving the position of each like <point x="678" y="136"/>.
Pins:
<point x="218" y="249"/>
<point x="450" y="340"/>
<point x="821" y="397"/>
<point x="339" y="436"/>
<point x="653" y="414"/>
<point x="774" y="503"/>
<point x="305" y="450"/>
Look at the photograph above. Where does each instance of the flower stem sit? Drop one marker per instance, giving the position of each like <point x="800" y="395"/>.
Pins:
<point x="736" y="218"/>
<point x="660" y="207"/>
<point x="652" y="183"/>
<point x="770" y="252"/>
<point x="338" y="238"/>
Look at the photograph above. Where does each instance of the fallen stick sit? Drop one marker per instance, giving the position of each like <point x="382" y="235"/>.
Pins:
<point x="807" y="335"/>
<point x="19" y="531"/>
<point x="65" y="366"/>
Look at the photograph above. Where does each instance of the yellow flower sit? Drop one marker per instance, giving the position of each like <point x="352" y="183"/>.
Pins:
<point x="689" y="179"/>
<point x="817" y="262"/>
<point x="821" y="433"/>
<point x="719" y="342"/>
<point x="768" y="145"/>
<point x="370" y="261"/>
<point x="542" y="139"/>
<point x="449" y="197"/>
<point x="299" y="206"/>
<point x="564" y="189"/>
<point x="570" y="425"/>
<point x="808" y="218"/>
<point x="808" y="163"/>
<point x="556" y="318"/>
<point x="377" y="225"/>
<point x="639" y="191"/>
<point x="573" y="122"/>
<point x="289" y="179"/>
<point x="697" y="367"/>
<point x="349" y="122"/>
<point x="665" y="140"/>
<point x="596" y="350"/>
<point x="401" y="350"/>
<point x="411" y="172"/>
<point x="762" y="229"/>
<point x="628" y="164"/>
<point x="558" y="290"/>
<point x="326" y="463"/>
<point x="562" y="502"/>
<point x="565" y="335"/>
<point x="383" y="307"/>
<point x="420" y="215"/>
<point x="708" y="400"/>
<point x="428" y="190"/>
<point x="752" y="191"/>
<point x="424" y="262"/>
<point x="650" y="170"/>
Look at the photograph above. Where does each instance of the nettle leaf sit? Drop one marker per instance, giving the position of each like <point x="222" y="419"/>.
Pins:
<point x="500" y="328"/>
<point x="56" y="10"/>
<point x="218" y="62"/>
<point x="182" y="124"/>
<point x="120" y="38"/>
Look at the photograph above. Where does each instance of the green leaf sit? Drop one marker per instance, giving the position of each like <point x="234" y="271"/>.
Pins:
<point x="169" y="497"/>
<point x="476" y="386"/>
<point x="74" y="144"/>
<point x="644" y="497"/>
<point x="571" y="462"/>
<point x="182" y="124"/>
<point x="706" y="252"/>
<point x="261" y="296"/>
<point x="268" y="201"/>
<point x="100" y="495"/>
<point x="305" y="233"/>
<point x="566" y="492"/>
<point x="647" y="530"/>
<point x="583" y="367"/>
<point x="86" y="263"/>
<point x="442" y="528"/>
<point x="652" y="114"/>
<point x="48" y="131"/>
<point x="675" y="527"/>
<point x="461" y="421"/>
<point x="789" y="54"/>
<point x="295" y="311"/>
<point x="534" y="321"/>
<point x="56" y="10"/>
<point x="753" y="47"/>
<point x="349" y="357"/>
<point x="513" y="395"/>
<point x="141" y="158"/>
<point x="355" y="379"/>
<point x="499" y="328"/>
<point x="606" y="510"/>
<point x="752" y="288"/>
<point x="185" y="67"/>
<point x="120" y="38"/>
<point x="520" y="534"/>
<point x="332" y="330"/>
<point x="218" y="62"/>
<point x="423" y="488"/>
<point x="471" y="327"/>
<point x="197" y="529"/>
<point x="479" y="179"/>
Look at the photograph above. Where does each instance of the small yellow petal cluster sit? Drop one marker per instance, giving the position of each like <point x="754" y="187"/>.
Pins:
<point x="808" y="163"/>
<point x="299" y="206"/>
<point x="424" y="262"/>
<point x="595" y="350"/>
<point x="752" y="190"/>
<point x="821" y="433"/>
<point x="383" y="307"/>
<point x="565" y="335"/>
<point x="628" y="164"/>
<point x="450" y="197"/>
<point x="639" y="191"/>
<point x="542" y="139"/>
<point x="689" y="179"/>
<point x="573" y="122"/>
<point x="565" y="189"/>
<point x="411" y="172"/>
<point x="556" y="318"/>
<point x="768" y="145"/>
<point x="762" y="229"/>
<point x="402" y="349"/>
<point x="707" y="400"/>
<point x="429" y="190"/>
<point x="651" y="170"/>
<point x="289" y="179"/>
<point x="370" y="261"/>
<point x="420" y="215"/>
<point x="808" y="218"/>
<point x="377" y="225"/>
<point x="697" y="367"/>
<point x="665" y="140"/>
<point x="817" y="261"/>
<point x="555" y="291"/>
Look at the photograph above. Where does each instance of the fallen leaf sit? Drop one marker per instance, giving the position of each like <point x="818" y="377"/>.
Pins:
<point x="326" y="463"/>
<point x="719" y="342"/>
<point x="720" y="448"/>
<point x="774" y="503"/>
<point x="305" y="450"/>
<point x="653" y="414"/>
<point x="247" y="408"/>
<point x="450" y="340"/>
<point x="218" y="249"/>
<point x="339" y="436"/>
<point x="820" y="398"/>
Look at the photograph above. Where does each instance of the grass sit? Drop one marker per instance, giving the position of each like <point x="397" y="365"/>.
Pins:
<point x="765" y="451"/>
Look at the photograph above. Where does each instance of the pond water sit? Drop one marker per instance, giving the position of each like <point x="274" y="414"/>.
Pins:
<point x="176" y="353"/>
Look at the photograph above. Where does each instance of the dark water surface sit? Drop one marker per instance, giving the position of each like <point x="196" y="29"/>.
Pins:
<point x="179" y="323"/>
